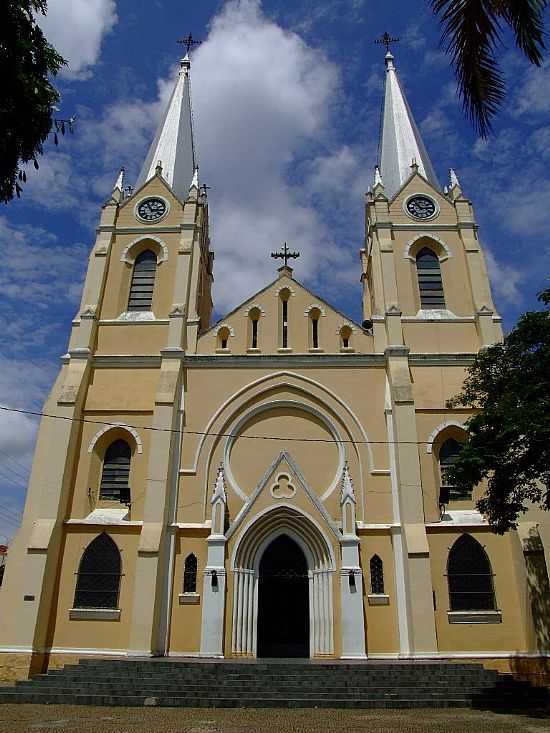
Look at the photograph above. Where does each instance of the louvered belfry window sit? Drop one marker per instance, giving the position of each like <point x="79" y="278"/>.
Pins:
<point x="470" y="577"/>
<point x="376" y="575"/>
<point x="143" y="282"/>
<point x="116" y="471"/>
<point x="190" y="574"/>
<point x="98" y="581"/>
<point x="429" y="280"/>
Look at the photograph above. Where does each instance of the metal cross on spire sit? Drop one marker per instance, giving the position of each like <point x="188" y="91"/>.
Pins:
<point x="387" y="40"/>
<point x="188" y="42"/>
<point x="285" y="255"/>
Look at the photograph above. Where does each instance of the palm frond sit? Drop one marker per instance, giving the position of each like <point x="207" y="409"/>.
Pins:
<point x="526" y="19"/>
<point x="471" y="34"/>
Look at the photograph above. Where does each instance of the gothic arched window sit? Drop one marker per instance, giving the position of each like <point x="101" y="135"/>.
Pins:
<point x="314" y="316"/>
<point x="376" y="575"/>
<point x="190" y="574"/>
<point x="143" y="282"/>
<point x="223" y="337"/>
<point x="254" y="316"/>
<point x="430" y="284"/>
<point x="470" y="577"/>
<point x="448" y="454"/>
<point x="116" y="472"/>
<point x="345" y="335"/>
<point x="98" y="580"/>
<point x="284" y="296"/>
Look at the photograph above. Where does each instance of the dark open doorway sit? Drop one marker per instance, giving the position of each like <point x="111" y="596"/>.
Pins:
<point x="283" y="601"/>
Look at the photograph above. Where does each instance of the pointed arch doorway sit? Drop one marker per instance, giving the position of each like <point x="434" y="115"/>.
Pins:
<point x="283" y="600"/>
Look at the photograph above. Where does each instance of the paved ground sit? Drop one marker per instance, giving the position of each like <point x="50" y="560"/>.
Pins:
<point x="61" y="718"/>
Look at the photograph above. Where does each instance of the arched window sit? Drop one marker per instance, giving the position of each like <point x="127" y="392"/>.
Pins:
<point x="376" y="575"/>
<point x="448" y="454"/>
<point x="470" y="577"/>
<point x="116" y="472"/>
<point x="429" y="279"/>
<point x="284" y="296"/>
<point x="345" y="336"/>
<point x="190" y="574"/>
<point x="143" y="282"/>
<point x="98" y="579"/>
<point x="314" y="316"/>
<point x="223" y="338"/>
<point x="254" y="316"/>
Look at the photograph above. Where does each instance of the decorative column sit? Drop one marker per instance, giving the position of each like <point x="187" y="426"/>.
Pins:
<point x="213" y="608"/>
<point x="351" y="576"/>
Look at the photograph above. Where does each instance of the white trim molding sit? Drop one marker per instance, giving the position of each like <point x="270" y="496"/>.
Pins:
<point x="442" y="426"/>
<point x="474" y="617"/>
<point x="407" y="252"/>
<point x="94" y="614"/>
<point x="129" y="258"/>
<point x="113" y="426"/>
<point x="312" y="306"/>
<point x="224" y="325"/>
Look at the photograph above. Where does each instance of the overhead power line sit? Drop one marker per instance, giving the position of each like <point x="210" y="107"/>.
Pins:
<point x="185" y="431"/>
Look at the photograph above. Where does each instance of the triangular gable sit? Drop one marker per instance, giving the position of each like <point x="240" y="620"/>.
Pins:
<point x="409" y="179"/>
<point x="265" y="484"/>
<point x="138" y="191"/>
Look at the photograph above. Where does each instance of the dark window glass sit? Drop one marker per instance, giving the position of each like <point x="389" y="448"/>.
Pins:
<point x="429" y="279"/>
<point x="448" y="455"/>
<point x="255" y="333"/>
<point x="98" y="579"/>
<point x="470" y="577"/>
<point x="143" y="282"/>
<point x="376" y="575"/>
<point x="190" y="574"/>
<point x="116" y="471"/>
<point x="285" y="324"/>
<point x="315" y="332"/>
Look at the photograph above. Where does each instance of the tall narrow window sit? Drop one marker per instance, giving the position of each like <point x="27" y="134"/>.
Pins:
<point x="376" y="575"/>
<point x="470" y="577"/>
<point x="223" y="338"/>
<point x="190" y="574"/>
<point x="448" y="454"/>
<point x="314" y="315"/>
<point x="116" y="472"/>
<point x="429" y="280"/>
<point x="143" y="282"/>
<point x="345" y="335"/>
<point x="98" y="580"/>
<point x="254" y="316"/>
<point x="284" y="318"/>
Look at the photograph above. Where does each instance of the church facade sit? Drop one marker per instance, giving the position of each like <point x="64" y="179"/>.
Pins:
<point x="273" y="485"/>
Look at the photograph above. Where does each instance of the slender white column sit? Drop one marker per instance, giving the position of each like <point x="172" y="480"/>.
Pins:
<point x="236" y="575"/>
<point x="250" y="613"/>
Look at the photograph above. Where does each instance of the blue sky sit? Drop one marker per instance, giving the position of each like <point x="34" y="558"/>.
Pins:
<point x="286" y="99"/>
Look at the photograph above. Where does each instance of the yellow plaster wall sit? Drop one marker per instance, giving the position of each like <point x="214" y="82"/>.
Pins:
<point x="77" y="634"/>
<point x="508" y="636"/>
<point x="382" y="632"/>
<point x="121" y="338"/>
<point x="125" y="389"/>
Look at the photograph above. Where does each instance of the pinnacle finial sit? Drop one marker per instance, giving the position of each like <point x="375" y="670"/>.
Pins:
<point x="195" y="181"/>
<point x="377" y="177"/>
<point x="347" y="486"/>
<point x="219" y="486"/>
<point x="120" y="181"/>
<point x="453" y="179"/>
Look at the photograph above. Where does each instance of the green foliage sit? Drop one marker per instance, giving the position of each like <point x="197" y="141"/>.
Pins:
<point x="27" y="98"/>
<point x="509" y="436"/>
<point x="472" y="32"/>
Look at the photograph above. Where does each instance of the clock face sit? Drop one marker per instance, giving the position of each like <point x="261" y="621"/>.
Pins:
<point x="151" y="209"/>
<point x="421" y="207"/>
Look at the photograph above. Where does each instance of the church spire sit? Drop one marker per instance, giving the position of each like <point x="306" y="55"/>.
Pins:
<point x="400" y="141"/>
<point x="173" y="144"/>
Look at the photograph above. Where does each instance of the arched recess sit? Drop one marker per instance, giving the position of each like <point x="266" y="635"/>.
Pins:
<point x="432" y="241"/>
<point x="132" y="433"/>
<point x="249" y="548"/>
<point x="441" y="432"/>
<point x="145" y="242"/>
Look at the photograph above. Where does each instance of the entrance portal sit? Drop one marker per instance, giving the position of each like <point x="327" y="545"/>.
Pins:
<point x="283" y="601"/>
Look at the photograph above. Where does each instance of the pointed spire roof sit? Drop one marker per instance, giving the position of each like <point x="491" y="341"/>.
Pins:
<point x="119" y="183"/>
<point x="400" y="141"/>
<point x="173" y="145"/>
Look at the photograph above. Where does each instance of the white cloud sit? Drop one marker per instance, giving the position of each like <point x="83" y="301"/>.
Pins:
<point x="505" y="279"/>
<point x="532" y="97"/>
<point x="76" y="28"/>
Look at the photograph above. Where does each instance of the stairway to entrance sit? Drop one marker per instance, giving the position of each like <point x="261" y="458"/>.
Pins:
<point x="277" y="684"/>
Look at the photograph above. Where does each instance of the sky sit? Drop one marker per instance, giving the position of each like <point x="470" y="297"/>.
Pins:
<point x="286" y="102"/>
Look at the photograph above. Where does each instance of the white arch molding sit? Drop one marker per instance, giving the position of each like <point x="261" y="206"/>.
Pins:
<point x="255" y="538"/>
<point x="427" y="235"/>
<point x="129" y="258"/>
<point x="236" y="427"/>
<point x="113" y="426"/>
<point x="439" y="429"/>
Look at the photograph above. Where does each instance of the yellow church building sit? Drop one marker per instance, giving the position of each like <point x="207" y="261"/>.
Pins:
<point x="273" y="485"/>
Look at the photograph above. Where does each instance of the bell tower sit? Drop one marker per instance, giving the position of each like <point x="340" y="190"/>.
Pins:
<point x="427" y="294"/>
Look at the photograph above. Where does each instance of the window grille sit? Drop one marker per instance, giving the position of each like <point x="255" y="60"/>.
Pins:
<point x="190" y="574"/>
<point x="143" y="282"/>
<point x="470" y="577"/>
<point x="448" y="455"/>
<point x="116" y="472"/>
<point x="376" y="575"/>
<point x="98" y="580"/>
<point x="429" y="280"/>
